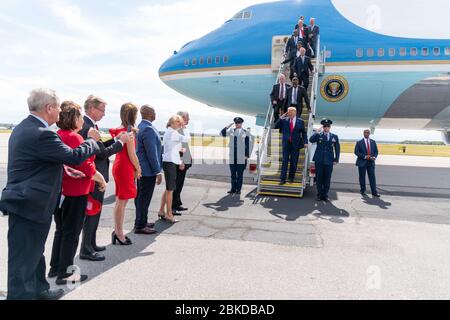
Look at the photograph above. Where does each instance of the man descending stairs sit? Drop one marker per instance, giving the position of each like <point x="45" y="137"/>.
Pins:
<point x="270" y="180"/>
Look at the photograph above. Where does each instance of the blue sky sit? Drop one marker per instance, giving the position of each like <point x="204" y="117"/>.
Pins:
<point x="113" y="48"/>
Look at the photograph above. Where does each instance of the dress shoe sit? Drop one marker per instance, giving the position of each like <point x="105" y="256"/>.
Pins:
<point x="99" y="248"/>
<point x="92" y="257"/>
<point x="145" y="230"/>
<point x="326" y="199"/>
<point x="52" y="274"/>
<point x="319" y="199"/>
<point x="180" y="208"/>
<point x="238" y="193"/>
<point x="63" y="282"/>
<point x="376" y="195"/>
<point x="363" y="193"/>
<point x="176" y="213"/>
<point x="282" y="183"/>
<point x="150" y="225"/>
<point x="231" y="192"/>
<point x="50" y="295"/>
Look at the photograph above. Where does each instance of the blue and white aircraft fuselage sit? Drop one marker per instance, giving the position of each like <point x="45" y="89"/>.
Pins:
<point x="384" y="81"/>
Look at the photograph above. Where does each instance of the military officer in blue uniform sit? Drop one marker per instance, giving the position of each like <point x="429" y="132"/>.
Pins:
<point x="326" y="156"/>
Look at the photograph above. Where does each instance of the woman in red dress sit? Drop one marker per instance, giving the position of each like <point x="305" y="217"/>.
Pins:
<point x="126" y="170"/>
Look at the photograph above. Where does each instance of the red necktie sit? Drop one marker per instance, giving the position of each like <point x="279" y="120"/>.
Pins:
<point x="368" y="148"/>
<point x="292" y="130"/>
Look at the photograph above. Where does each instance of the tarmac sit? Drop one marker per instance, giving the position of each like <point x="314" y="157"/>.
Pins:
<point x="249" y="247"/>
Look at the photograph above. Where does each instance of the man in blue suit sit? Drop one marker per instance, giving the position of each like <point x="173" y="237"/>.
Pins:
<point x="294" y="139"/>
<point x="326" y="156"/>
<point x="36" y="156"/>
<point x="367" y="152"/>
<point x="149" y="153"/>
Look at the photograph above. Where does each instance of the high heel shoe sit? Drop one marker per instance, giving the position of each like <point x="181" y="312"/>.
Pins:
<point x="161" y="216"/>
<point x="172" y="220"/>
<point x="115" y="239"/>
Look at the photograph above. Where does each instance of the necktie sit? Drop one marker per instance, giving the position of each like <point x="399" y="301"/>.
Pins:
<point x="295" y="96"/>
<point x="292" y="130"/>
<point x="96" y="127"/>
<point x="281" y="92"/>
<point x="368" y="148"/>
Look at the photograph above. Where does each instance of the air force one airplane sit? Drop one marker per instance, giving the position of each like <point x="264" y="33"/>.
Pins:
<point x="378" y="80"/>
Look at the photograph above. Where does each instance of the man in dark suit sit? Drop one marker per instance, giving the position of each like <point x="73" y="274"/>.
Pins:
<point x="278" y="96"/>
<point x="294" y="139"/>
<point x="327" y="155"/>
<point x="295" y="98"/>
<point x="291" y="47"/>
<point x="36" y="156"/>
<point x="367" y="152"/>
<point x="186" y="159"/>
<point x="302" y="66"/>
<point x="303" y="31"/>
<point x="313" y="35"/>
<point x="148" y="150"/>
<point x="95" y="109"/>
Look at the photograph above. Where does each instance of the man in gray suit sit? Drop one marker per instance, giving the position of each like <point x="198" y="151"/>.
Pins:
<point x="186" y="157"/>
<point x="36" y="156"/>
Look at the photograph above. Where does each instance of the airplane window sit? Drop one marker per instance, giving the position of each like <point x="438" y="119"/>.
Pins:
<point x="217" y="60"/>
<point x="247" y="15"/>
<point x="403" y="52"/>
<point x="209" y="61"/>
<point x="328" y="54"/>
<point x="413" y="52"/>
<point x="437" y="51"/>
<point x="194" y="61"/>
<point x="447" y="51"/>
<point x="359" y="53"/>
<point x="392" y="52"/>
<point x="381" y="52"/>
<point x="425" y="52"/>
<point x="186" y="62"/>
<point x="370" y="52"/>
<point x="226" y="59"/>
<point x="202" y="60"/>
<point x="238" y="15"/>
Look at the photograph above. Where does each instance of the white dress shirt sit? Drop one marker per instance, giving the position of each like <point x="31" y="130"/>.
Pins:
<point x="172" y="146"/>
<point x="41" y="120"/>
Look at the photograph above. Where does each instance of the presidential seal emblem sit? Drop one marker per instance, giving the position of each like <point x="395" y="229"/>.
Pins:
<point x="334" y="88"/>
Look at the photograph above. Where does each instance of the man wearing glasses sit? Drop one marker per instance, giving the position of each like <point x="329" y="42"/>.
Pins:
<point x="95" y="109"/>
<point x="326" y="156"/>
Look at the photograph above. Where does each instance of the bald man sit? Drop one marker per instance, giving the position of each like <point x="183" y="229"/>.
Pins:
<point x="148" y="150"/>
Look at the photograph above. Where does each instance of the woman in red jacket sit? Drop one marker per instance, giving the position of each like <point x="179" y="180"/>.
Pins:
<point x="70" y="217"/>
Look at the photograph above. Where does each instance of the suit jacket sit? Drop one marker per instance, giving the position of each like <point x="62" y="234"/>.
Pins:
<point x="186" y="156"/>
<point x="314" y="32"/>
<point x="301" y="68"/>
<point x="305" y="31"/>
<point x="291" y="47"/>
<point x="299" y="136"/>
<point x="36" y="156"/>
<point x="361" y="153"/>
<point x="275" y="94"/>
<point x="327" y="151"/>
<point x="302" y="95"/>
<point x="109" y="148"/>
<point x="149" y="149"/>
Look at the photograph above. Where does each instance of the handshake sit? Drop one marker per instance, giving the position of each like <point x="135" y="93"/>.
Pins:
<point x="124" y="137"/>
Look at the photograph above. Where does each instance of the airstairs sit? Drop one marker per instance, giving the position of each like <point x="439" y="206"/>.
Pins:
<point x="270" y="151"/>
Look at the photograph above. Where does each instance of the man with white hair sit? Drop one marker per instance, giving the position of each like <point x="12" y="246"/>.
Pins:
<point x="313" y="35"/>
<point x="36" y="156"/>
<point x="278" y="96"/>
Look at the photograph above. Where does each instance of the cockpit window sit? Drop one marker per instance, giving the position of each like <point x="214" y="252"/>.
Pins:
<point x="243" y="15"/>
